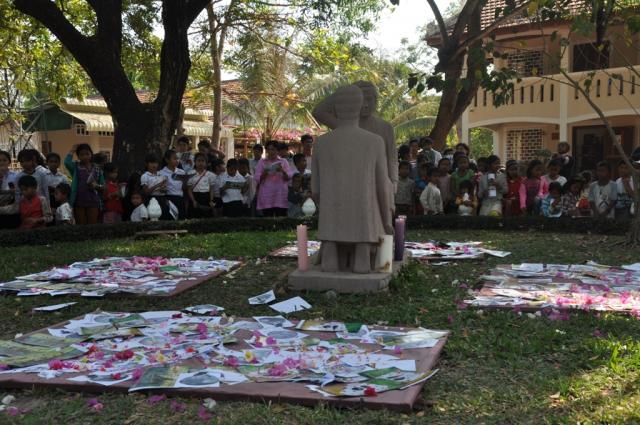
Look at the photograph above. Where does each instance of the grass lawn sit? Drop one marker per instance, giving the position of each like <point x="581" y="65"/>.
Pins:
<point x="497" y="367"/>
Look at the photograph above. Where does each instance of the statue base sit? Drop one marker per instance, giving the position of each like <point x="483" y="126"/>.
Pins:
<point x="316" y="280"/>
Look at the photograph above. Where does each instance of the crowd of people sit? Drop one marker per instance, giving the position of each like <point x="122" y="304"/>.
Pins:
<point x="432" y="183"/>
<point x="275" y="183"/>
<point x="181" y="184"/>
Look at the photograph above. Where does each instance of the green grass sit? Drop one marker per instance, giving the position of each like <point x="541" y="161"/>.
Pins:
<point x="497" y="367"/>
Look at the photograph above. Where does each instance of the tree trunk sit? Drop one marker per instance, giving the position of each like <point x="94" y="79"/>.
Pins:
<point x="456" y="98"/>
<point x="138" y="128"/>
<point x="218" y="34"/>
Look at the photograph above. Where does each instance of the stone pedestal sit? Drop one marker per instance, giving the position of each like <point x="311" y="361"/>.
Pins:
<point x="342" y="282"/>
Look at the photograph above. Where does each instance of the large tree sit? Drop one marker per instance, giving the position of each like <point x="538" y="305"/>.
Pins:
<point x="98" y="48"/>
<point x="462" y="66"/>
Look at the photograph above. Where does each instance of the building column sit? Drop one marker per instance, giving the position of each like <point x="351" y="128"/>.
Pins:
<point x="562" y="119"/>
<point x="498" y="149"/>
<point x="464" y="124"/>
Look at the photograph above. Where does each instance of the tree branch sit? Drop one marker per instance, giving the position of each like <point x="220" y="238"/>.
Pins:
<point x="52" y="17"/>
<point x="109" y="32"/>
<point x="439" y="20"/>
<point x="463" y="18"/>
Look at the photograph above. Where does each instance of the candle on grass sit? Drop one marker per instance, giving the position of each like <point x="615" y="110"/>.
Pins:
<point x="303" y="254"/>
<point x="399" y="237"/>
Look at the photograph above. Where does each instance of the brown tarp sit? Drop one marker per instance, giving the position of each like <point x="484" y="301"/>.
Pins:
<point x="277" y="392"/>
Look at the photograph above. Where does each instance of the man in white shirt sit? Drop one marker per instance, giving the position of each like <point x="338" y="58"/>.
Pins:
<point x="232" y="188"/>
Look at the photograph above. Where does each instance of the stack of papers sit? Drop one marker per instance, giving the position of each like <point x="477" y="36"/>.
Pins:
<point x="170" y="349"/>
<point x="588" y="286"/>
<point x="447" y="251"/>
<point x="133" y="275"/>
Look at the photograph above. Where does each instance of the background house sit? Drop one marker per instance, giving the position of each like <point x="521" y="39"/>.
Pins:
<point x="544" y="111"/>
<point x="57" y="126"/>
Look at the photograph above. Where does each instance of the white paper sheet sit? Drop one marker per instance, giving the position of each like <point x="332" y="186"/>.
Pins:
<point x="53" y="307"/>
<point x="291" y="305"/>
<point x="265" y="298"/>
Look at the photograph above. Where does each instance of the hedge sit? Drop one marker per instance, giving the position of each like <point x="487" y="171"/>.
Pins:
<point x="49" y="235"/>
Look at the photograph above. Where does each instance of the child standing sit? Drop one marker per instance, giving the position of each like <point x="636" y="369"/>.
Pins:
<point x="421" y="184"/>
<point x="154" y="184"/>
<point x="64" y="213"/>
<point x="112" y="200"/>
<point x="565" y="159"/>
<point x="87" y="182"/>
<point x="533" y="188"/>
<point x="258" y="151"/>
<point x="54" y="177"/>
<point x="552" y="203"/>
<point x="603" y="193"/>
<point x="185" y="156"/>
<point x="250" y="194"/>
<point x="296" y="197"/>
<point x="404" y="191"/>
<point x="9" y="216"/>
<point x="300" y="165"/>
<point x="463" y="173"/>
<point x="34" y="208"/>
<point x="200" y="189"/>
<point x="571" y="198"/>
<point x="553" y="173"/>
<point x="466" y="200"/>
<point x="139" y="212"/>
<point x="491" y="188"/>
<point x="431" y="199"/>
<point x="175" y="178"/>
<point x="30" y="160"/>
<point x="218" y="170"/>
<point x="513" y="204"/>
<point x="444" y="184"/>
<point x="232" y="188"/>
<point x="625" y="207"/>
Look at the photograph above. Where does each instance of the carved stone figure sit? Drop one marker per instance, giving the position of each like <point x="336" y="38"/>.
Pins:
<point x="350" y="183"/>
<point x="368" y="121"/>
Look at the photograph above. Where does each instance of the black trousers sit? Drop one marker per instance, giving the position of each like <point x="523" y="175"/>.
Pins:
<point x="233" y="209"/>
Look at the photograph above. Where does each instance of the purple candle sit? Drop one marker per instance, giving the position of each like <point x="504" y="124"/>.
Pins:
<point x="399" y="238"/>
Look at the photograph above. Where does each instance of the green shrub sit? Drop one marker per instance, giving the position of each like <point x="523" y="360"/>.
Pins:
<point x="49" y="235"/>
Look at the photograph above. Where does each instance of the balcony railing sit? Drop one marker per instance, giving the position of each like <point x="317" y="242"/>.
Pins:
<point x="550" y="99"/>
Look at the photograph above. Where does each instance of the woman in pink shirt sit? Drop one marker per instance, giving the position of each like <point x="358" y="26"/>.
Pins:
<point x="272" y="176"/>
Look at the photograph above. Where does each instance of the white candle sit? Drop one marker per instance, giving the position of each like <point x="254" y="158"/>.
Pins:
<point x="384" y="256"/>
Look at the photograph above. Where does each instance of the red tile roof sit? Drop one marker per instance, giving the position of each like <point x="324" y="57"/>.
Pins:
<point x="488" y="17"/>
<point x="231" y="89"/>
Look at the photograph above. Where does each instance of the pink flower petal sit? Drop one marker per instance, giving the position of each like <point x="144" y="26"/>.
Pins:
<point x="176" y="406"/>
<point x="155" y="399"/>
<point x="204" y="414"/>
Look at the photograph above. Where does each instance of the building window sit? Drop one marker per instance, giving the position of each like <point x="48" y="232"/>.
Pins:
<point x="523" y="144"/>
<point x="526" y="64"/>
<point x="587" y="57"/>
<point x="81" y="130"/>
<point x="105" y="133"/>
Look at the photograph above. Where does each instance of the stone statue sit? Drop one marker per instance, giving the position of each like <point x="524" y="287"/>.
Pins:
<point x="368" y="121"/>
<point x="350" y="183"/>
